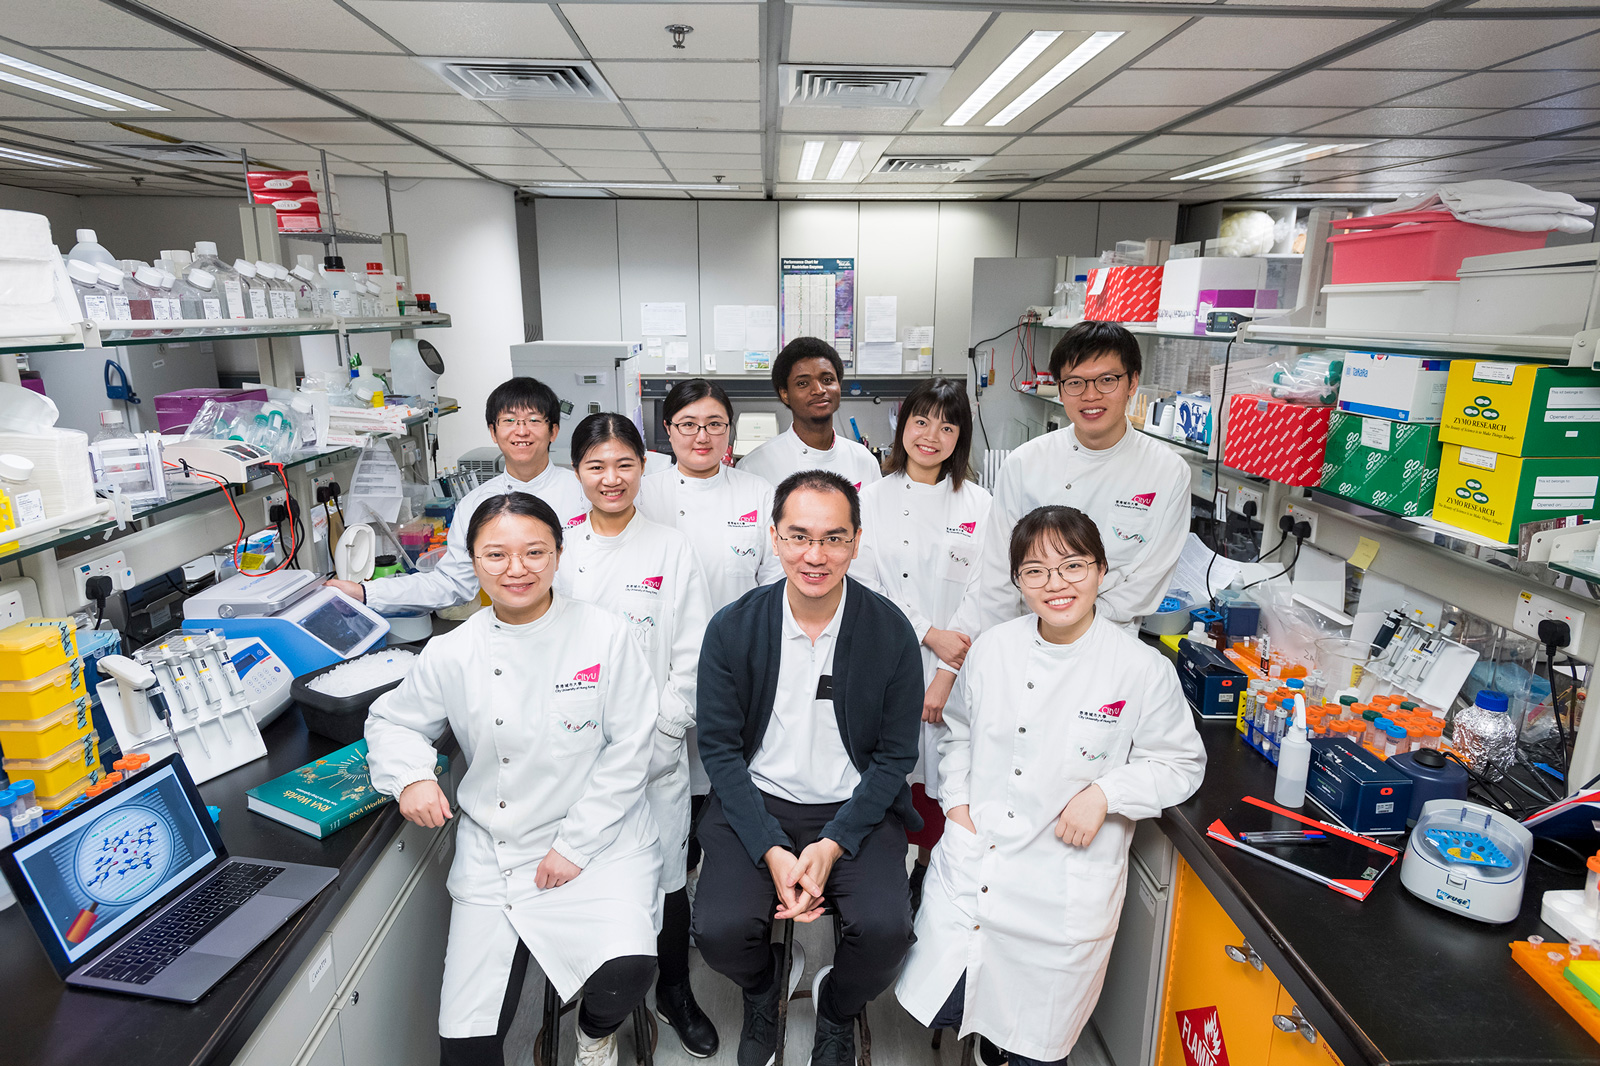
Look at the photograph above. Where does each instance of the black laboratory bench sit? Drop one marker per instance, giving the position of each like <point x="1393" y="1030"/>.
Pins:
<point x="1391" y="979"/>
<point x="44" y="1023"/>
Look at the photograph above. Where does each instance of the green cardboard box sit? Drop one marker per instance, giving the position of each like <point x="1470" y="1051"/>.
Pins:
<point x="1393" y="466"/>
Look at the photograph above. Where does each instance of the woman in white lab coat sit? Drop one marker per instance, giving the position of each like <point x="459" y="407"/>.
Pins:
<point x="556" y="855"/>
<point x="647" y="572"/>
<point x="1063" y="730"/>
<point x="920" y="543"/>
<point x="723" y="511"/>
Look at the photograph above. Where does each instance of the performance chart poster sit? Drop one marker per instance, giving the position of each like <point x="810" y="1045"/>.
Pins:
<point x="819" y="300"/>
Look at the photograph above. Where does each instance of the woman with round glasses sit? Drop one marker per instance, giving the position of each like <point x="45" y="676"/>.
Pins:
<point x="556" y="856"/>
<point x="1063" y="730"/>
<point x="647" y="572"/>
<point x="923" y="522"/>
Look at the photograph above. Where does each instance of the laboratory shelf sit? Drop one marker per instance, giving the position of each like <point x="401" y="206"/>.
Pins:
<point x="87" y="335"/>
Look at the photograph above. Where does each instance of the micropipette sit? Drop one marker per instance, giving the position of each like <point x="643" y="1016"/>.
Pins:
<point x="218" y="643"/>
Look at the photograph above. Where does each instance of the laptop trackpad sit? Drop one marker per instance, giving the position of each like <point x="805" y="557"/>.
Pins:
<point x="248" y="926"/>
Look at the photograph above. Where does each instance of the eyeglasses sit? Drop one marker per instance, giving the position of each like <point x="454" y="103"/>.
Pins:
<point x="536" y="561"/>
<point x="831" y="545"/>
<point x="508" y="424"/>
<point x="1037" y="577"/>
<point x="1103" y="384"/>
<point x="713" y="428"/>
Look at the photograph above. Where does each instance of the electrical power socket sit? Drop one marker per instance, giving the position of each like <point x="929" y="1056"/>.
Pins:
<point x="1531" y="609"/>
<point x="114" y="566"/>
<point x="1306" y="515"/>
<point x="321" y="481"/>
<point x="274" y="499"/>
<point x="1243" y="494"/>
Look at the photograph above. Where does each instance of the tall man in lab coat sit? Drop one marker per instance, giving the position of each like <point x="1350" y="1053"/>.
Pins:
<point x="810" y="704"/>
<point x="806" y="375"/>
<point x="524" y="419"/>
<point x="1135" y="488"/>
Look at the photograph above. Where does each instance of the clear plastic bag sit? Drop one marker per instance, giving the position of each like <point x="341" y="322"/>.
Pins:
<point x="1311" y="379"/>
<point x="271" y="426"/>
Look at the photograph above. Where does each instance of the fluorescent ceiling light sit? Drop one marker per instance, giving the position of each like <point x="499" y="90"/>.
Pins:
<point x="1076" y="60"/>
<point x="41" y="160"/>
<point x="1014" y="64"/>
<point x="67" y="79"/>
<point x="1204" y="173"/>
<point x="808" y="160"/>
<point x="669" y="185"/>
<point x="1237" y="167"/>
<point x="841" y="161"/>
<point x="887" y="196"/>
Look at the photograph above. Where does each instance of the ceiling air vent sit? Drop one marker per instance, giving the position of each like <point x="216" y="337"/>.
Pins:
<point x="523" y="79"/>
<point x="861" y="86"/>
<point x="929" y="165"/>
<point x="162" y="152"/>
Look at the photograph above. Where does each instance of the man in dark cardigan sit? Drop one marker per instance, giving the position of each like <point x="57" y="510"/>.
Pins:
<point x="810" y="702"/>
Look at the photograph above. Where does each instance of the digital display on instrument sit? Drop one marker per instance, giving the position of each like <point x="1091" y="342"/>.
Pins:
<point x="339" y="625"/>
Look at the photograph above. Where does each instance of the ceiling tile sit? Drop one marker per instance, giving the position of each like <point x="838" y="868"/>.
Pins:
<point x="602" y="173"/>
<point x="677" y="141"/>
<point x="1153" y="162"/>
<point x="1193" y="87"/>
<point x="616" y="140"/>
<point x="683" y="80"/>
<point x="356" y="70"/>
<point x="1190" y="144"/>
<point x="530" y="173"/>
<point x="730" y="175"/>
<point x="559" y="112"/>
<point x="711" y="160"/>
<point x="420" y="106"/>
<point x="696" y="114"/>
<point x="1498" y="89"/>
<point x="1395" y="121"/>
<point x="458" y="134"/>
<point x="637" y="31"/>
<point x="1275" y="121"/>
<point x="260" y="103"/>
<point x="501" y="30"/>
<point x="1272" y="44"/>
<point x="1059" y="190"/>
<point x="1418" y="148"/>
<point x="169" y="69"/>
<point x="1076" y="146"/>
<point x="279" y="24"/>
<point x="1355" y="88"/>
<point x="484" y="155"/>
<point x="1465" y="45"/>
<point x="199" y="131"/>
<point x="589" y="157"/>
<point x="333" y="132"/>
<point x="880" y="35"/>
<point x="1044" y="163"/>
<point x="845" y="119"/>
<point x="427" y="170"/>
<point x="1527" y="122"/>
<point x="1582" y="98"/>
<point x="14" y="106"/>
<point x="1115" y="175"/>
<point x="81" y="23"/>
<point x="1582" y="54"/>
<point x="932" y="144"/>
<point x="1133" y="120"/>
<point x="378" y="154"/>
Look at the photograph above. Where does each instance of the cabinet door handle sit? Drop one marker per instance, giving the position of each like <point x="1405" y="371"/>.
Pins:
<point x="1295" y="1022"/>
<point x="1242" y="953"/>
<point x="355" y="997"/>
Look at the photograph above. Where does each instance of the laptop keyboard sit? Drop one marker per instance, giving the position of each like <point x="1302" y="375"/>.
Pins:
<point x="158" y="944"/>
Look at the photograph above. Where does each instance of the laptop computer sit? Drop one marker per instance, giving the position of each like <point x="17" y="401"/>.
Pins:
<point x="134" y="891"/>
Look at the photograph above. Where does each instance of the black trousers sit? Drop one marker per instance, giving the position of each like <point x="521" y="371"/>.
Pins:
<point x="609" y="996"/>
<point x="735" y="902"/>
<point x="954" y="1009"/>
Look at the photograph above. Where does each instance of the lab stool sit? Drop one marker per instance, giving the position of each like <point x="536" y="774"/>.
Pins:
<point x="863" y="1029"/>
<point x="547" y="1045"/>
<point x="969" y="1047"/>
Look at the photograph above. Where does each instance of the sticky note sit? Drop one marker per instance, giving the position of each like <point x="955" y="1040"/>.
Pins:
<point x="1366" y="551"/>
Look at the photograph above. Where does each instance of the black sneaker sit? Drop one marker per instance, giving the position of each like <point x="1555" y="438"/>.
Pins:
<point x="991" y="1055"/>
<point x="835" y="1042"/>
<point x="758" y="1038"/>
<point x="675" y="1005"/>
<point x="914" y="882"/>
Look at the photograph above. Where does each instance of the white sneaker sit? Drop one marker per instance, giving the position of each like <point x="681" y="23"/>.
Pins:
<point x="596" y="1050"/>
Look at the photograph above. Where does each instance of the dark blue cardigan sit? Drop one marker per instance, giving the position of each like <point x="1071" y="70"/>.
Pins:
<point x="877" y="700"/>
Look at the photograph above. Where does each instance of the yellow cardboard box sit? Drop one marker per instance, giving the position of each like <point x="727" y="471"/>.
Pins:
<point x="1522" y="408"/>
<point x="1494" y="494"/>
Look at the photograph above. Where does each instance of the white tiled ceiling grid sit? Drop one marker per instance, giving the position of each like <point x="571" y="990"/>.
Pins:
<point x="1427" y="91"/>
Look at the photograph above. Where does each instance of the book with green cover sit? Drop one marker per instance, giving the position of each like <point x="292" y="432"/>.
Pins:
<point x="326" y="794"/>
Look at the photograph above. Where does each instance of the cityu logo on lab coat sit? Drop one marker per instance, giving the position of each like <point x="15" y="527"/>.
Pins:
<point x="1111" y="712"/>
<point x="1201" y="1032"/>
<point x="651" y="585"/>
<point x="965" y="529"/>
<point x="743" y="520"/>
<point x="577" y="520"/>
<point x="1142" y="502"/>
<point x="585" y="680"/>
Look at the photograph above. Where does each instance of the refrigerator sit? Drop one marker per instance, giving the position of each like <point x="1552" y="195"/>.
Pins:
<point x="587" y="376"/>
<point x="76" y="380"/>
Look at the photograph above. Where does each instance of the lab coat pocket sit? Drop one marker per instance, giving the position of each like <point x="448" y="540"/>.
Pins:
<point x="959" y="556"/>
<point x="744" y="551"/>
<point x="574" y="728"/>
<point x="956" y="863"/>
<point x="1093" y="892"/>
<point x="644" y="615"/>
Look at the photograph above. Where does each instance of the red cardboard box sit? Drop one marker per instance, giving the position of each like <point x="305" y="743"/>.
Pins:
<point x="1127" y="294"/>
<point x="1277" y="439"/>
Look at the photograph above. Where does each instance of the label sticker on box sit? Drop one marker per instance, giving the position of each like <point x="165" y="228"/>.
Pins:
<point x="1572" y="416"/>
<point x="1574" y="397"/>
<point x="1566" y="486"/>
<point x="1099" y="284"/>
<point x="1375" y="433"/>
<point x="1477" y="457"/>
<point x="1564" y="503"/>
<point x="1504" y="373"/>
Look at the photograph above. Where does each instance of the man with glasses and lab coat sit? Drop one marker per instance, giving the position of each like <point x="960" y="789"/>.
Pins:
<point x="524" y="419"/>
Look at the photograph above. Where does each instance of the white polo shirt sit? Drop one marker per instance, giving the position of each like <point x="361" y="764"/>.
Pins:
<point x="802" y="757"/>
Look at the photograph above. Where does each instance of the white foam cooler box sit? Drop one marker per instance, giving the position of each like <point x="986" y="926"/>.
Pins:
<point x="1393" y="306"/>
<point x="1192" y="287"/>
<point x="1543" y="291"/>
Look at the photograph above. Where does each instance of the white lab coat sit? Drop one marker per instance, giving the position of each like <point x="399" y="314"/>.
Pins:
<point x="920" y="546"/>
<point x="648" y="575"/>
<point x="787" y="454"/>
<point x="1029" y="919"/>
<point x="454" y="581"/>
<point x="1137" y="492"/>
<point x="556" y="721"/>
<point x="727" y="518"/>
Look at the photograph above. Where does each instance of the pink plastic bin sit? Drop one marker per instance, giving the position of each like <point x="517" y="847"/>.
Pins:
<point x="1415" y="246"/>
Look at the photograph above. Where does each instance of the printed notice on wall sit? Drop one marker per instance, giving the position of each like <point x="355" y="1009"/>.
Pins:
<point x="664" y="320"/>
<point x="819" y="301"/>
<point x="879" y="320"/>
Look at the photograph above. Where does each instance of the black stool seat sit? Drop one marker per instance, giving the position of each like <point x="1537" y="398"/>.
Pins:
<point x="547" y="1046"/>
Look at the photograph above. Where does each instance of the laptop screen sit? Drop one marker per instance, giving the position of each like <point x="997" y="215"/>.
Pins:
<point x="96" y="874"/>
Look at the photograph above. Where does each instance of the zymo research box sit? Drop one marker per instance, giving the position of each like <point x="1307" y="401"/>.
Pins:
<point x="1393" y="466"/>
<point x="1494" y="494"/>
<point x="1522" y="408"/>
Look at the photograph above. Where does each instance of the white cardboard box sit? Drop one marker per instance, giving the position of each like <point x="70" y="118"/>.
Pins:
<point x="1183" y="280"/>
<point x="1402" y="388"/>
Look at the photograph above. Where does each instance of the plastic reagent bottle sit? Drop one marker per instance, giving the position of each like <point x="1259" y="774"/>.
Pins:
<point x="1294" y="761"/>
<point x="200" y="299"/>
<point x="116" y="298"/>
<point x="1485" y="734"/>
<point x="280" y="301"/>
<point x="341" y="298"/>
<point x="255" y="290"/>
<point x="90" y="250"/>
<point x="27" y="499"/>
<point x="113" y="426"/>
<point x="303" y="278"/>
<point x="94" y="300"/>
<point x="224" y="277"/>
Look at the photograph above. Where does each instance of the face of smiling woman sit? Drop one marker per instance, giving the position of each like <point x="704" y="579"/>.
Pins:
<point x="515" y="559"/>
<point x="609" y="473"/>
<point x="1059" y="586"/>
